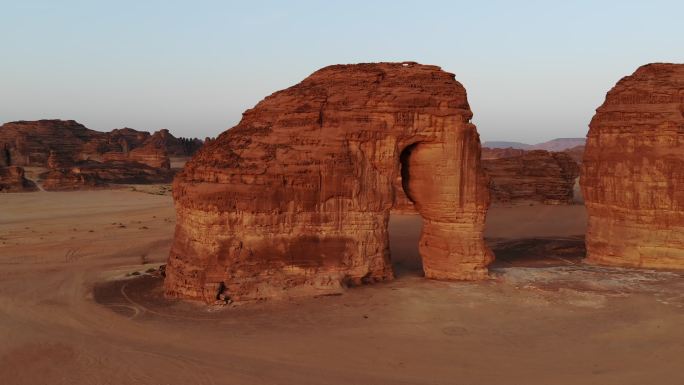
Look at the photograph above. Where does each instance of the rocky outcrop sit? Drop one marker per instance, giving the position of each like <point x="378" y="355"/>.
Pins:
<point x="87" y="174"/>
<point x="517" y="176"/>
<point x="80" y="158"/>
<point x="295" y="199"/>
<point x="29" y="143"/>
<point x="534" y="176"/>
<point x="173" y="146"/>
<point x="633" y="171"/>
<point x="12" y="179"/>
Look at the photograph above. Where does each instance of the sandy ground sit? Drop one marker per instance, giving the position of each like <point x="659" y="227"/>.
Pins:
<point x="72" y="313"/>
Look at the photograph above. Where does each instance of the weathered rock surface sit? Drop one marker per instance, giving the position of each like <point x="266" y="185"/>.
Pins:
<point x="633" y="171"/>
<point x="28" y="143"/>
<point x="534" y="176"/>
<point x="295" y="199"/>
<point x="12" y="179"/>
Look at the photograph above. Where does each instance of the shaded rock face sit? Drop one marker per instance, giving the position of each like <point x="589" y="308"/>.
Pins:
<point x="534" y="176"/>
<point x="517" y="176"/>
<point x="633" y="171"/>
<point x="12" y="179"/>
<point x="295" y="199"/>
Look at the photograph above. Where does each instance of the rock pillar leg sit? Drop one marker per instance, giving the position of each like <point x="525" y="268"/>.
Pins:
<point x="450" y="194"/>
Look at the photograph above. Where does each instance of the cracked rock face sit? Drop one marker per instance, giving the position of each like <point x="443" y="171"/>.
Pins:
<point x="633" y="171"/>
<point x="295" y="199"/>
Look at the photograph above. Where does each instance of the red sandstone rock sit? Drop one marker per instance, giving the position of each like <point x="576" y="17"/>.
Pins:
<point x="534" y="176"/>
<point x="633" y="171"/>
<point x="82" y="158"/>
<point x="576" y="153"/>
<point x="29" y="143"/>
<point x="295" y="199"/>
<point x="90" y="174"/>
<point x="12" y="179"/>
<point x="174" y="146"/>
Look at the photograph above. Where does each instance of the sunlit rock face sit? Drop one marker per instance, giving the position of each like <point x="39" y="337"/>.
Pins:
<point x="633" y="171"/>
<point x="295" y="199"/>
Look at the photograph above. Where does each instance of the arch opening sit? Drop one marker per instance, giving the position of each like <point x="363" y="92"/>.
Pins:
<point x="405" y="223"/>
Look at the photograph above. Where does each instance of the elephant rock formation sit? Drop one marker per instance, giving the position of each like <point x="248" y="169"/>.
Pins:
<point x="295" y="199"/>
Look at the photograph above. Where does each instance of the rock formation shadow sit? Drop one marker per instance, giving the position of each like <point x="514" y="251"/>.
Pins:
<point x="538" y="251"/>
<point x="404" y="235"/>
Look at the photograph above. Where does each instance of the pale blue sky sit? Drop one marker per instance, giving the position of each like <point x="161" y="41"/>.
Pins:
<point x="534" y="70"/>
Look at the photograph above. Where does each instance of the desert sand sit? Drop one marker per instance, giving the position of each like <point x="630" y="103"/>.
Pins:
<point x="71" y="312"/>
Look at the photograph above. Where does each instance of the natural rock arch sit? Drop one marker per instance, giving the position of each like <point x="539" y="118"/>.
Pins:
<point x="295" y="199"/>
<point x="633" y="171"/>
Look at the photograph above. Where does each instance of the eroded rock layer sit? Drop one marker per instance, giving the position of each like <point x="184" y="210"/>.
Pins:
<point x="12" y="179"/>
<point x="633" y="171"/>
<point x="295" y="199"/>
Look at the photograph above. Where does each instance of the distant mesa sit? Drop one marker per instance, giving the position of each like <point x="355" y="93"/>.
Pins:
<point x="633" y="171"/>
<point x="519" y="176"/>
<point x="504" y="144"/>
<point x="559" y="144"/>
<point x="78" y="157"/>
<point x="295" y="199"/>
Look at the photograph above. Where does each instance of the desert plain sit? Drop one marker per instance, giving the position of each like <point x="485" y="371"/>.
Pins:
<point x="81" y="302"/>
